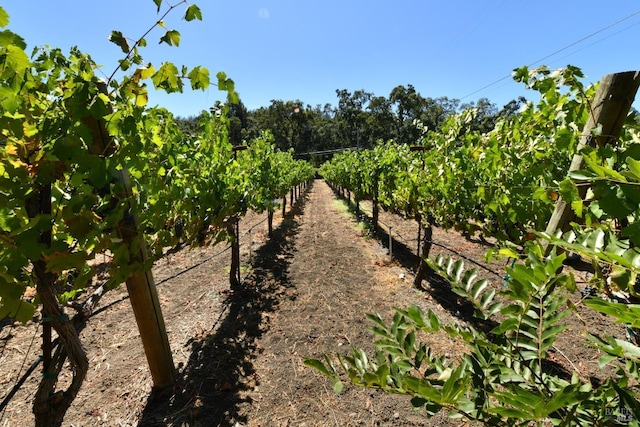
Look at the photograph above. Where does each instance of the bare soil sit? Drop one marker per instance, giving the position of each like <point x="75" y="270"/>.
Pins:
<point x="239" y="356"/>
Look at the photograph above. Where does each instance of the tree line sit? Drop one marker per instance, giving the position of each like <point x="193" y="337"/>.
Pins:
<point x="360" y="119"/>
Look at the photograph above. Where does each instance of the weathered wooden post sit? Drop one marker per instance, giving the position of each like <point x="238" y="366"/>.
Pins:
<point x="375" y="213"/>
<point x="145" y="302"/>
<point x="141" y="286"/>
<point x="284" y="205"/>
<point x="610" y="108"/>
<point x="233" y="231"/>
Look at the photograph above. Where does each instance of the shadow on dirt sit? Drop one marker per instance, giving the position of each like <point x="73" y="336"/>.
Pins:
<point x="438" y="287"/>
<point x="210" y="388"/>
<point x="406" y="256"/>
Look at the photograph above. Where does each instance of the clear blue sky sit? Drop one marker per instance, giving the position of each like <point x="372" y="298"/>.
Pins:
<point x="296" y="49"/>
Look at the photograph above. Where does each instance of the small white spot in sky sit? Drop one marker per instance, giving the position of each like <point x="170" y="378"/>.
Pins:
<point x="263" y="13"/>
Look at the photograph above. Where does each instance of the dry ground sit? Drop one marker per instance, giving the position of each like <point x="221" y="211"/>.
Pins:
<point x="240" y="355"/>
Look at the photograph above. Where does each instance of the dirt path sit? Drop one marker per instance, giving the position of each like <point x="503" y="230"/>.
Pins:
<point x="338" y="276"/>
<point x="312" y="283"/>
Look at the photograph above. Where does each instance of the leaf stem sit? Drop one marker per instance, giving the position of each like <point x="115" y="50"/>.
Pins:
<point x="137" y="43"/>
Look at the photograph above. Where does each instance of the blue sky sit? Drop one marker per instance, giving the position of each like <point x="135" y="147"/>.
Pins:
<point x="297" y="49"/>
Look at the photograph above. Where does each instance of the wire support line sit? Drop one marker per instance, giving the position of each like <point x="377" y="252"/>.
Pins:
<point x="178" y="274"/>
<point x="637" y="12"/>
<point x="468" y="259"/>
<point x="250" y="229"/>
<point x="194" y="266"/>
<point x="444" y="247"/>
<point x="404" y="239"/>
<point x="21" y="381"/>
<point x="450" y="250"/>
<point x="334" y="150"/>
<point x="34" y="365"/>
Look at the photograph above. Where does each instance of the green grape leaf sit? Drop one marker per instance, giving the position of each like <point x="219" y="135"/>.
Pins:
<point x="4" y="18"/>
<point x="142" y="98"/>
<point x="61" y="261"/>
<point x="118" y="39"/>
<point x="8" y="38"/>
<point x="634" y="167"/>
<point x="233" y="97"/>
<point x="167" y="78"/>
<point x="144" y="72"/>
<point x="199" y="78"/>
<point x="582" y="175"/>
<point x="16" y="59"/>
<point x="171" y="37"/>
<point x="158" y="4"/>
<point x="632" y="231"/>
<point x="193" y="12"/>
<point x="20" y="310"/>
<point x="564" y="138"/>
<point x="125" y="64"/>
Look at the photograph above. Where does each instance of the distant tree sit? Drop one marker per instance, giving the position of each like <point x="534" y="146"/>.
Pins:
<point x="435" y="111"/>
<point x="408" y="106"/>
<point x="189" y="125"/>
<point x="287" y="121"/>
<point x="380" y="120"/>
<point x="238" y="120"/>
<point x="405" y="102"/>
<point x="352" y="117"/>
<point x="487" y="115"/>
<point x="512" y="107"/>
<point x="360" y="119"/>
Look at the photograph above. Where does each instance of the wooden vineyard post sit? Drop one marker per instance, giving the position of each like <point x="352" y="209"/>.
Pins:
<point x="233" y="229"/>
<point x="141" y="287"/>
<point x="610" y="108"/>
<point x="250" y="246"/>
<point x="145" y="302"/>
<point x="270" y="222"/>
<point x="427" y="239"/>
<point x="419" y="240"/>
<point x="284" y="205"/>
<point x="375" y="213"/>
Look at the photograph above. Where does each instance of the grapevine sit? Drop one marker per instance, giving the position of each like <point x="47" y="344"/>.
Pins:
<point x="86" y="167"/>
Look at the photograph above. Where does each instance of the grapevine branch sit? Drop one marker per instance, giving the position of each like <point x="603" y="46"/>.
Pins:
<point x="137" y="42"/>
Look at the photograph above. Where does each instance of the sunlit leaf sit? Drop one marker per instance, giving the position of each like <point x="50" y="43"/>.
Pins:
<point x="171" y="37"/>
<point x="193" y="12"/>
<point x="119" y="40"/>
<point x="8" y="38"/>
<point x="4" y="18"/>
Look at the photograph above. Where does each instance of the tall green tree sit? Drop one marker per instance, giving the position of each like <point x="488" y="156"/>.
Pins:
<point x="405" y="103"/>
<point x="352" y="116"/>
<point x="380" y="120"/>
<point x="286" y="120"/>
<point x="238" y="120"/>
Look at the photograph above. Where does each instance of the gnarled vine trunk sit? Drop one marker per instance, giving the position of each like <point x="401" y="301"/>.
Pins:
<point x="50" y="406"/>
<point x="423" y="268"/>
